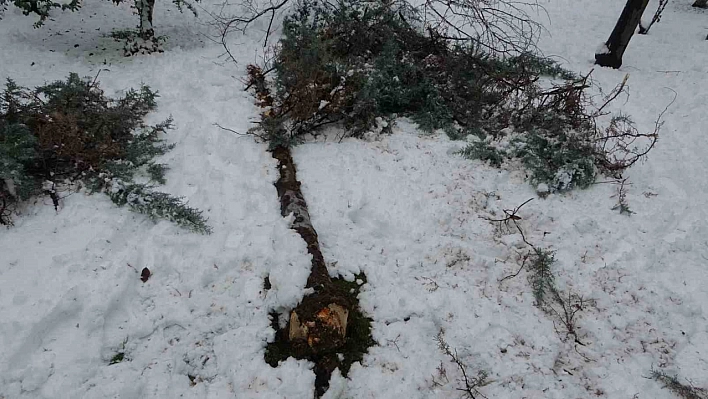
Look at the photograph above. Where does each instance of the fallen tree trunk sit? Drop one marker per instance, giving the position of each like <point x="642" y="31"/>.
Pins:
<point x="293" y="202"/>
<point x="327" y="327"/>
<point x="318" y="325"/>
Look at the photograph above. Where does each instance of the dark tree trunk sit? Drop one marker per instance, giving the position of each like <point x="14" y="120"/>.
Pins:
<point x="293" y="202"/>
<point x="319" y="323"/>
<point x="701" y="4"/>
<point x="627" y="23"/>
<point x="145" y="9"/>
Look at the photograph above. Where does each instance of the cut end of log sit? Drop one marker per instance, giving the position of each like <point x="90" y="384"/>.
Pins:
<point x="328" y="328"/>
<point x="335" y="317"/>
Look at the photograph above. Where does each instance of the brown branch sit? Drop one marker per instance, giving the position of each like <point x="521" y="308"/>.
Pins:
<point x="613" y="94"/>
<point x="511" y="213"/>
<point x="472" y="384"/>
<point x="250" y="132"/>
<point x="523" y="265"/>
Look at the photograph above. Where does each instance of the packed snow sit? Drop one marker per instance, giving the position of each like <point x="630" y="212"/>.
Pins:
<point x="402" y="208"/>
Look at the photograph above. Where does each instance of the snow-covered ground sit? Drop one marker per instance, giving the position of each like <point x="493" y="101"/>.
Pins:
<point x="402" y="208"/>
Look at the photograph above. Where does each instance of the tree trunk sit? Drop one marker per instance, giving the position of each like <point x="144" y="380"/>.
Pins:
<point x="701" y="4"/>
<point x="319" y="323"/>
<point x="611" y="54"/>
<point x="145" y="9"/>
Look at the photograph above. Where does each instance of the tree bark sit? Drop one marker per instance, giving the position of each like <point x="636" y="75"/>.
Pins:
<point x="611" y="55"/>
<point x="145" y="9"/>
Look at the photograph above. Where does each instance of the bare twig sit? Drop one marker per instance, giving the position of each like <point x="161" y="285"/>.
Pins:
<point x="228" y="24"/>
<point x="229" y="130"/>
<point x="511" y="216"/>
<point x="511" y="213"/>
<point x="523" y="264"/>
<point x="616" y="91"/>
<point x="250" y="132"/>
<point x="442" y="375"/>
<point x="565" y="311"/>
<point x="501" y="27"/>
<point x="620" y="143"/>
<point x="622" y="204"/>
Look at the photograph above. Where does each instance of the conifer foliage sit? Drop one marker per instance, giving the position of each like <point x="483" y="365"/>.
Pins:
<point x="68" y="135"/>
<point x="359" y="64"/>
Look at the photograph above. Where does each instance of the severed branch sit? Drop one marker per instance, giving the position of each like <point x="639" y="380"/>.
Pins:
<point x="511" y="215"/>
<point x="553" y="303"/>
<point x="501" y="27"/>
<point x="616" y="91"/>
<point x="472" y="384"/>
<point x="618" y="143"/>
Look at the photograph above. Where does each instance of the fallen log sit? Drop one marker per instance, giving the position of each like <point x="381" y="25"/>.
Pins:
<point x="327" y="327"/>
<point x="321" y="318"/>
<point x="317" y="327"/>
